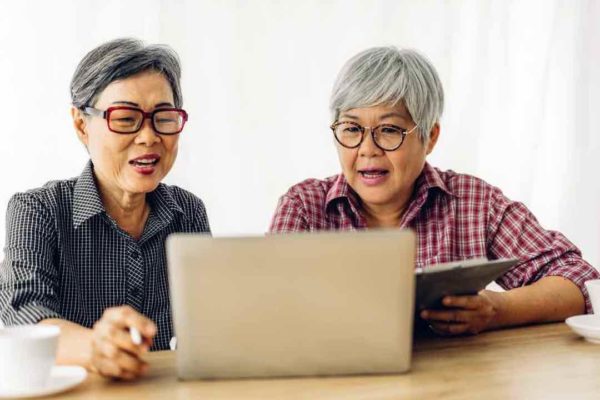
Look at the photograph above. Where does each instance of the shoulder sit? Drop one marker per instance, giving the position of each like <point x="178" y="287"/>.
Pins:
<point x="191" y="206"/>
<point x="473" y="195"/>
<point x="184" y="198"/>
<point x="51" y="197"/>
<point x="303" y="206"/>
<point x="311" y="192"/>
<point x="468" y="187"/>
<point x="38" y="211"/>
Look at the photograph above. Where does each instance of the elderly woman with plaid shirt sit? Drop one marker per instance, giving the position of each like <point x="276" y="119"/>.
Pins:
<point x="386" y="105"/>
<point x="88" y="254"/>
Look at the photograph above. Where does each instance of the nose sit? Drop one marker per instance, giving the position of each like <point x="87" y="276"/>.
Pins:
<point x="368" y="148"/>
<point x="146" y="135"/>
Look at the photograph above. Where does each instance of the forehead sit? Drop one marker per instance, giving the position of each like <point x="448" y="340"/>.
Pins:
<point x="143" y="88"/>
<point x="381" y="111"/>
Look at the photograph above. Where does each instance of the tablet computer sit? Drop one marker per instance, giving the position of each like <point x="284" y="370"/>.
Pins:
<point x="466" y="277"/>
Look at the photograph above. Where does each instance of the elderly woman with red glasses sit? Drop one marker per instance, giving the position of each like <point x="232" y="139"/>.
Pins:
<point x="386" y="106"/>
<point x="87" y="254"/>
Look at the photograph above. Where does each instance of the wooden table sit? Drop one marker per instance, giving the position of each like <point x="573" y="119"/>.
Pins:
<point x="537" y="362"/>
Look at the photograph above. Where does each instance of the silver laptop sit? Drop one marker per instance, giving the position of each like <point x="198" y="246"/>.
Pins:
<point x="292" y="305"/>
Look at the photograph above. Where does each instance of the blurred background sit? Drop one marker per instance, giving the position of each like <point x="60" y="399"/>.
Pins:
<point x="522" y="82"/>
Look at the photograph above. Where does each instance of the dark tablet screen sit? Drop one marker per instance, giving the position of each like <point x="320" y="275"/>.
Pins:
<point x="460" y="278"/>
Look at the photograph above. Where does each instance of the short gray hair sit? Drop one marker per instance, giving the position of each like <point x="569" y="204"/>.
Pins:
<point x="119" y="59"/>
<point x="386" y="75"/>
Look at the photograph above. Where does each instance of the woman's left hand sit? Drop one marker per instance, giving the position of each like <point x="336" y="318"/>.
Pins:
<point x="464" y="314"/>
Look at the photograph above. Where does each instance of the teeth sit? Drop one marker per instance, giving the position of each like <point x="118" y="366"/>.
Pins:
<point x="146" y="161"/>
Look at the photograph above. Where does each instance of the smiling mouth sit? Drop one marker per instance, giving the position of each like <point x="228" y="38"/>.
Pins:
<point x="145" y="162"/>
<point x="373" y="173"/>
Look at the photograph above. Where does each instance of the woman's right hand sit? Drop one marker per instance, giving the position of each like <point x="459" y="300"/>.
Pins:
<point x="113" y="352"/>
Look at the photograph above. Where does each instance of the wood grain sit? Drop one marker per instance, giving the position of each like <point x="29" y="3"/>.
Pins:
<point x="536" y="362"/>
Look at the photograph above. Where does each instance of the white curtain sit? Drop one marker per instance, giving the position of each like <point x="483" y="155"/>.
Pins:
<point x="522" y="80"/>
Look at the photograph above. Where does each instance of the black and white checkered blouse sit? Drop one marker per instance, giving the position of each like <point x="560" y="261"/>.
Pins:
<point x="66" y="258"/>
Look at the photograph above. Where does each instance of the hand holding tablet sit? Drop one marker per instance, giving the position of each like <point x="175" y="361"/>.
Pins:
<point x="457" y="278"/>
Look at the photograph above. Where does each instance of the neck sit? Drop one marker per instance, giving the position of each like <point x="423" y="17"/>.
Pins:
<point x="381" y="218"/>
<point x="385" y="215"/>
<point x="129" y="210"/>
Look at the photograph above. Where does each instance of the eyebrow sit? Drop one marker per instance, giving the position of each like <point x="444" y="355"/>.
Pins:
<point x="131" y="103"/>
<point x="393" y="114"/>
<point x="354" y="117"/>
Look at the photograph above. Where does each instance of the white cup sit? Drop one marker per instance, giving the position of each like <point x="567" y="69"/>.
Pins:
<point x="593" y="288"/>
<point x="27" y="354"/>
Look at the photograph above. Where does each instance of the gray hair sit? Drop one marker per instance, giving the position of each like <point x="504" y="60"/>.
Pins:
<point x="386" y="75"/>
<point x="119" y="59"/>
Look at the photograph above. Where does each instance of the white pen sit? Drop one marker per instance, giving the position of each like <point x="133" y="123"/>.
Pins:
<point x="136" y="337"/>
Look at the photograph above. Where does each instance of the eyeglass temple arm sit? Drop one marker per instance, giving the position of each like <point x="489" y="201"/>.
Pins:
<point x="93" y="111"/>
<point x="414" y="127"/>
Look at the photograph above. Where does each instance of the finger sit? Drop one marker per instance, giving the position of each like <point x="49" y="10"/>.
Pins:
<point x="125" y="361"/>
<point x="130" y="363"/>
<point x="107" y="367"/>
<point x="454" y="316"/>
<point x="106" y="349"/>
<point x="468" y="302"/>
<point x="127" y="317"/>
<point x="128" y="376"/>
<point x="448" y="328"/>
<point x="110" y="368"/>
<point x="147" y="342"/>
<point x="120" y="337"/>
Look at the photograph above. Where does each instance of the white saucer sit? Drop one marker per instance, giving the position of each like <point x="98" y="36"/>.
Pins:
<point x="61" y="378"/>
<point x="586" y="325"/>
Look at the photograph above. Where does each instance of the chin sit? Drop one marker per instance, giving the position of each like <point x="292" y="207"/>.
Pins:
<point x="143" y="187"/>
<point x="379" y="199"/>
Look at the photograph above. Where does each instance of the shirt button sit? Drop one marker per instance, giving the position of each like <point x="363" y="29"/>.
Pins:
<point x="135" y="291"/>
<point x="135" y="255"/>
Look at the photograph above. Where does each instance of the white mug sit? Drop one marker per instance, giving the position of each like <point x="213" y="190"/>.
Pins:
<point x="593" y="288"/>
<point x="27" y="355"/>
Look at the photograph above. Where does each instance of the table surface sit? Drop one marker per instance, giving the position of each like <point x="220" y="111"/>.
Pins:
<point x="536" y="362"/>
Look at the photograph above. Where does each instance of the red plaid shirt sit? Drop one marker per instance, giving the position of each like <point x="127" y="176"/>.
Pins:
<point x="455" y="217"/>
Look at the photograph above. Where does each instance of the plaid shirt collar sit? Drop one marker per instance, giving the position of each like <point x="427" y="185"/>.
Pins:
<point x="87" y="202"/>
<point x="427" y="180"/>
<point x="430" y="179"/>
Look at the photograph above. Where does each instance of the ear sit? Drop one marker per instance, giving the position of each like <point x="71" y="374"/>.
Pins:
<point x="433" y="138"/>
<point x="79" y="123"/>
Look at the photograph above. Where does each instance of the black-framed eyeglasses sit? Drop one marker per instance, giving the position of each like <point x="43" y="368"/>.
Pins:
<point x="126" y="120"/>
<point x="387" y="137"/>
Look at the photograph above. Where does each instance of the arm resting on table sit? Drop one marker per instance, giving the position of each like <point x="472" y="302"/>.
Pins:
<point x="552" y="298"/>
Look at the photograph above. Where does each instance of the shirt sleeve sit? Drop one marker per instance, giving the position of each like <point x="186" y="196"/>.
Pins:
<point x="289" y="216"/>
<point x="514" y="232"/>
<point x="28" y="274"/>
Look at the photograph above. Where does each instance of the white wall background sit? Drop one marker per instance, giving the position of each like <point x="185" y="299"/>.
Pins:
<point x="522" y="80"/>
